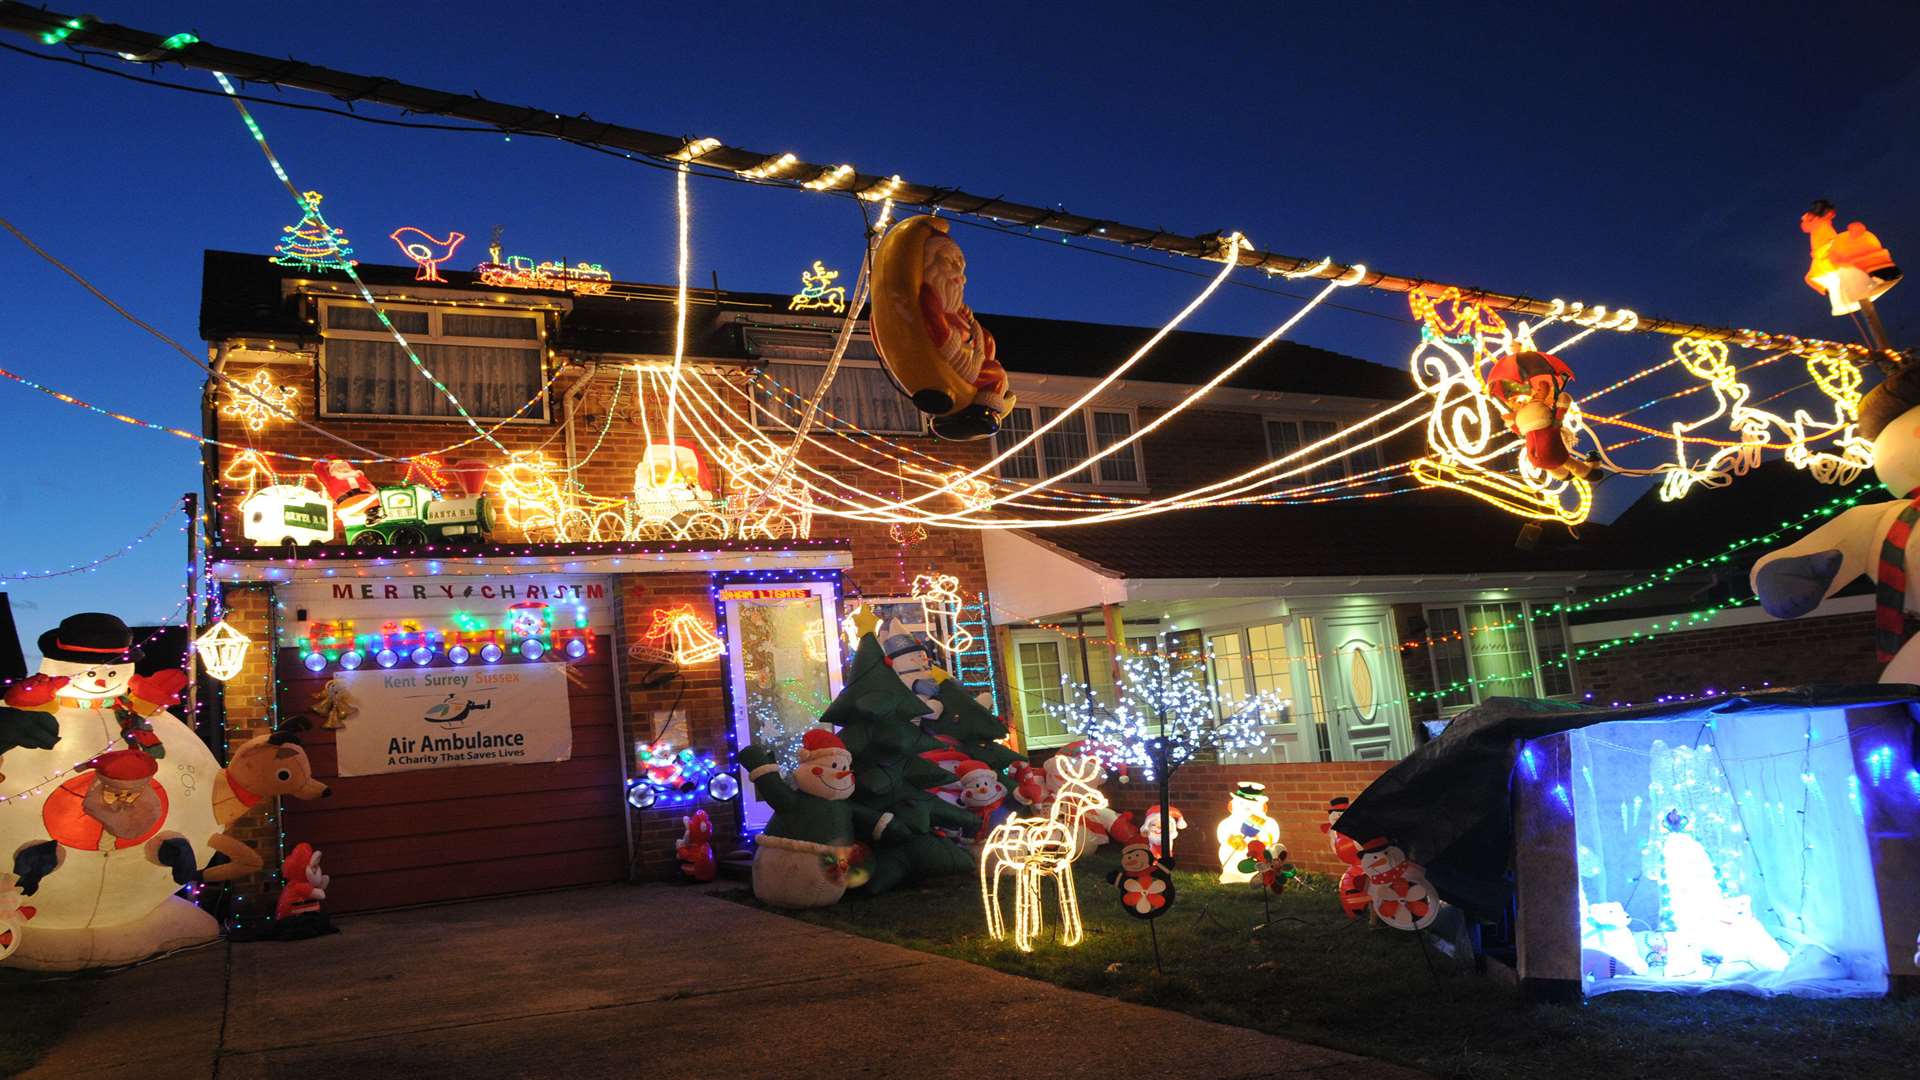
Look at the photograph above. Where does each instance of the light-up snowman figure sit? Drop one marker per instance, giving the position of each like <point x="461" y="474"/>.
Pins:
<point x="1246" y="821"/>
<point x="99" y="899"/>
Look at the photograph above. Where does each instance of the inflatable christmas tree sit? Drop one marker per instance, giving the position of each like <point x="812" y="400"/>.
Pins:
<point x="876" y="715"/>
<point x="971" y="728"/>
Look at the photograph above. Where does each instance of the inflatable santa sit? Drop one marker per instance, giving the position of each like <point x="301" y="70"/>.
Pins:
<point x="106" y="806"/>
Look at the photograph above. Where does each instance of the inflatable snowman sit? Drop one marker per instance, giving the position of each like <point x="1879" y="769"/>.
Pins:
<point x="106" y="805"/>
<point x="1880" y="540"/>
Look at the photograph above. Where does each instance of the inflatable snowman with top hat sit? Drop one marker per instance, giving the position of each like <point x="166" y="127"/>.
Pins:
<point x="1879" y="540"/>
<point x="106" y="806"/>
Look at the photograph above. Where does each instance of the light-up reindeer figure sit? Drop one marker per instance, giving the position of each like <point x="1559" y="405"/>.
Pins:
<point x="1035" y="849"/>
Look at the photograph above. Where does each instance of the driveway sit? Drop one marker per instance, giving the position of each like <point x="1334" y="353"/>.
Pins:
<point x="630" y="981"/>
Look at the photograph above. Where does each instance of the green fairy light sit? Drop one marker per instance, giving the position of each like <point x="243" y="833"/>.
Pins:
<point x="64" y="31"/>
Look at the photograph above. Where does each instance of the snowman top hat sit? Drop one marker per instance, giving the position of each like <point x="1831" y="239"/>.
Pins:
<point x="91" y="637"/>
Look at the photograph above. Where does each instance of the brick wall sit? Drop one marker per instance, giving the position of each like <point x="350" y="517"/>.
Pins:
<point x="248" y="712"/>
<point x="1833" y="648"/>
<point x="881" y="566"/>
<point x="1297" y="797"/>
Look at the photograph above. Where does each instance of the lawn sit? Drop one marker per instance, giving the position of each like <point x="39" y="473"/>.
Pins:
<point x="35" y="1010"/>
<point x="1315" y="976"/>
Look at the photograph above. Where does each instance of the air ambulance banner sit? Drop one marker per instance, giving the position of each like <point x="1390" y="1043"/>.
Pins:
<point x="439" y="718"/>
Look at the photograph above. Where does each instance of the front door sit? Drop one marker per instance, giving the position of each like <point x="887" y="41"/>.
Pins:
<point x="1366" y="713"/>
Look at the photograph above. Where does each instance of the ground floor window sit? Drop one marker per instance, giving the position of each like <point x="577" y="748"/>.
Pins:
<point x="1507" y="648"/>
<point x="1046" y="670"/>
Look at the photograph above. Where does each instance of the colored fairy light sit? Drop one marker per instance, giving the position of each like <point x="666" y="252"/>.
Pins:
<point x="64" y="31"/>
<point x="458" y="654"/>
<point x="532" y="648"/>
<point x="1035" y="850"/>
<point x="425" y="250"/>
<point x="315" y="661"/>
<point x="641" y="795"/>
<point x="576" y="648"/>
<point x="386" y="658"/>
<point x="490" y="653"/>
<point x="421" y="656"/>
<point x="1530" y="761"/>
<point x="259" y="401"/>
<point x="1880" y="764"/>
<point x="352" y="659"/>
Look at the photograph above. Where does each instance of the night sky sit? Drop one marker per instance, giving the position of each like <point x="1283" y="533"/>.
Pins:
<point x="1655" y="157"/>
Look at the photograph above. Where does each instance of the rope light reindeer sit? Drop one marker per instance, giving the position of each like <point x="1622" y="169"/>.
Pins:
<point x="1034" y="849"/>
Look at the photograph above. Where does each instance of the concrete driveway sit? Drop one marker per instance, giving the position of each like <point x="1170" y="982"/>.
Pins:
<point x="630" y="981"/>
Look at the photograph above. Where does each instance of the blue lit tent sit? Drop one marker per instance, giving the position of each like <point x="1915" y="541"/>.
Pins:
<point x="1767" y="842"/>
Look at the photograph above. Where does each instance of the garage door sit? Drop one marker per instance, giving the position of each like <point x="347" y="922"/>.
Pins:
<point x="402" y="838"/>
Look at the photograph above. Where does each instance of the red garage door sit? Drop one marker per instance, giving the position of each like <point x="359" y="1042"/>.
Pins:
<point x="447" y="834"/>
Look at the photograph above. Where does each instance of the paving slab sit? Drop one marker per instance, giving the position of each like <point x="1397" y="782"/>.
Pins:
<point x="159" y="1021"/>
<point x="669" y="982"/>
<point x="624" y="981"/>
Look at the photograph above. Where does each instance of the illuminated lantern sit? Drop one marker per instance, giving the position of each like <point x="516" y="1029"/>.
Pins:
<point x="1532" y="387"/>
<point x="1849" y="267"/>
<point x="1246" y="821"/>
<point x="223" y="650"/>
<point x="103" y="886"/>
<point x="927" y="336"/>
<point x="687" y="638"/>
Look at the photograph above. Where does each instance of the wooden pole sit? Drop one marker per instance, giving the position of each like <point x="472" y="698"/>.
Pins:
<point x="190" y="502"/>
<point x="151" y="48"/>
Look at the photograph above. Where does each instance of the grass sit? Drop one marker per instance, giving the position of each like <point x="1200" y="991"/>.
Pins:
<point x="1316" y="977"/>
<point x="35" y="1010"/>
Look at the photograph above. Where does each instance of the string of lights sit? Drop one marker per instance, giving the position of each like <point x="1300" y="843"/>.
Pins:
<point x="312" y="207"/>
<point x="94" y="564"/>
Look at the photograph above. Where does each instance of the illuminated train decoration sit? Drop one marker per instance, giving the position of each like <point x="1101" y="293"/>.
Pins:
<point x="526" y="631"/>
<point x="410" y="515"/>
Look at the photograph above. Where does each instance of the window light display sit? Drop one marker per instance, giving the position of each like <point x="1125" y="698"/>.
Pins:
<point x="1722" y="852"/>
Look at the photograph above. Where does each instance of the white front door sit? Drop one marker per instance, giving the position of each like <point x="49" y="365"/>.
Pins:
<point x="783" y="665"/>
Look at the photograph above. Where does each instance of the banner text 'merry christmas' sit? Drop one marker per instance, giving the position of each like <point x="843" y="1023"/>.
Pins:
<point x="488" y="591"/>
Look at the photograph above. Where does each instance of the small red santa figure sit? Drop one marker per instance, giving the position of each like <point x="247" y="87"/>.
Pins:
<point x="1150" y="828"/>
<point x="1397" y="886"/>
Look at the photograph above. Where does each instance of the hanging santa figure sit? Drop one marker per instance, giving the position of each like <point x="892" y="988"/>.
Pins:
<point x="929" y="338"/>
<point x="103" y="822"/>
<point x="1532" y="388"/>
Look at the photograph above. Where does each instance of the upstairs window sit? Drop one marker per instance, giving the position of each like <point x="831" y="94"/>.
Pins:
<point x="862" y="396"/>
<point x="493" y="361"/>
<point x="1286" y="436"/>
<point x="1081" y="435"/>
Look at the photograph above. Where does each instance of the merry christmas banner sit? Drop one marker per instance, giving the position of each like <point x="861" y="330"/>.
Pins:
<point x="437" y="718"/>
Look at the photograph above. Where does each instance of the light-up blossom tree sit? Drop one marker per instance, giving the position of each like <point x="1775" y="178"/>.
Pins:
<point x="1164" y="715"/>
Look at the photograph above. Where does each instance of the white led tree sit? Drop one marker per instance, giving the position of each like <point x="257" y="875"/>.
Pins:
<point x="1164" y="715"/>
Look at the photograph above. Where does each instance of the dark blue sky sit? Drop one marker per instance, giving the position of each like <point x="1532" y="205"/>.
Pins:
<point x="1651" y="156"/>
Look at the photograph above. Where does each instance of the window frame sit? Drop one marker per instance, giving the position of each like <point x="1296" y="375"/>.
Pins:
<point x="1340" y="468"/>
<point x="764" y="419"/>
<point x="1067" y="655"/>
<point x="1088" y="479"/>
<point x="1474" y="676"/>
<point x="540" y="415"/>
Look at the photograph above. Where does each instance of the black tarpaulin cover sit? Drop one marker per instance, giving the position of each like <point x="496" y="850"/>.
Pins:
<point x="1447" y="804"/>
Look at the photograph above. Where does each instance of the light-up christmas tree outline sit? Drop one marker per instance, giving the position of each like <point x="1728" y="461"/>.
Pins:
<point x="313" y="244"/>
